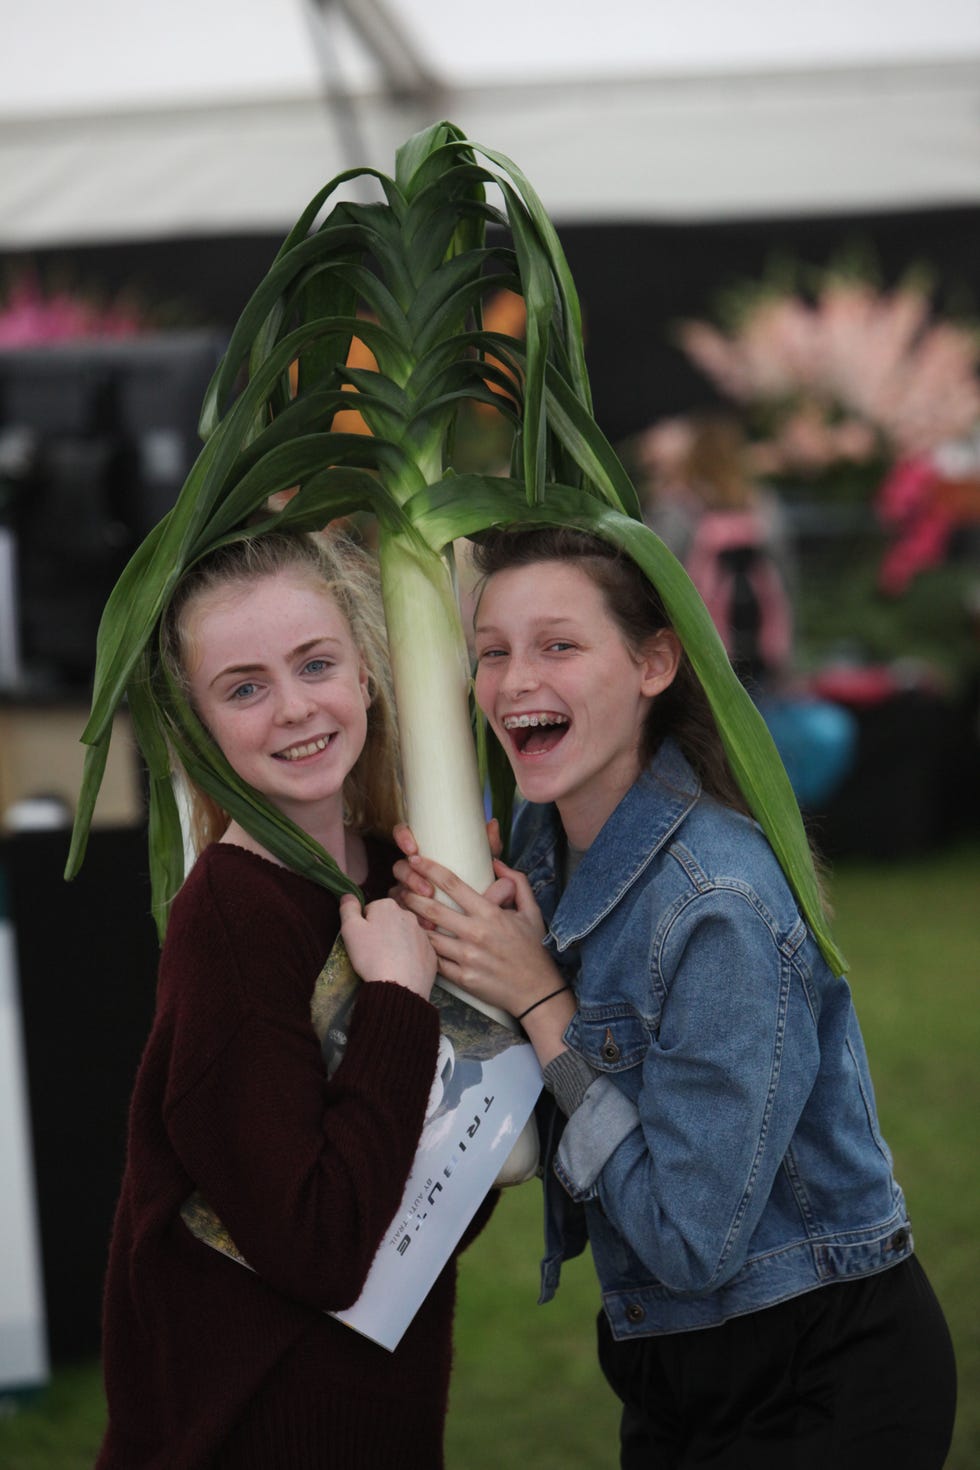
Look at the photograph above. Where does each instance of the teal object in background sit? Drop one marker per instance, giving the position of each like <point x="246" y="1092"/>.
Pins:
<point x="818" y="743"/>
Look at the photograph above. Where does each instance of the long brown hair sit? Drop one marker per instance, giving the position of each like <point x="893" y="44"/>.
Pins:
<point x="682" y="709"/>
<point x="332" y="562"/>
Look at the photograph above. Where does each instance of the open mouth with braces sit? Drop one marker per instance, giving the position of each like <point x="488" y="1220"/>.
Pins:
<point x="536" y="732"/>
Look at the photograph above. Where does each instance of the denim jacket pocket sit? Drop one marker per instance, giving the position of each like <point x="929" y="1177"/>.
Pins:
<point x="611" y="1038"/>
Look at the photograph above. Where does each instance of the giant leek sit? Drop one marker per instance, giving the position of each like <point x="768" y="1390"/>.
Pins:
<point x="407" y="275"/>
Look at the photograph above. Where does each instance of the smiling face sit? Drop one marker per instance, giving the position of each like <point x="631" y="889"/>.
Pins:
<point x="565" y="694"/>
<point x="275" y="676"/>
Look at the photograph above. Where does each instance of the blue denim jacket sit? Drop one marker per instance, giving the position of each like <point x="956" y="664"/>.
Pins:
<point x="728" y="1156"/>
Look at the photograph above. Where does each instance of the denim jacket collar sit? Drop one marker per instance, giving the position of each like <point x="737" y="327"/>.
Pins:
<point x="655" y="805"/>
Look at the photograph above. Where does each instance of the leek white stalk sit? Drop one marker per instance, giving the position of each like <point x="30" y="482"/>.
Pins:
<point x="430" y="668"/>
<point x="443" y="794"/>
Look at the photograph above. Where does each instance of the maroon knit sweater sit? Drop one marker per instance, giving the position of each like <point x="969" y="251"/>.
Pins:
<point x="208" y="1364"/>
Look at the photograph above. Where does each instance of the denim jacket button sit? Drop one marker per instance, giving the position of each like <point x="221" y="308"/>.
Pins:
<point x="899" y="1240"/>
<point x="634" y="1312"/>
<point x="610" y="1050"/>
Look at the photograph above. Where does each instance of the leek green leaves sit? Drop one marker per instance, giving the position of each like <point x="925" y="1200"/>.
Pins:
<point x="406" y="275"/>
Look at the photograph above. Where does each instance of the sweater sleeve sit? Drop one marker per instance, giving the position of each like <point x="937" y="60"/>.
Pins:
<point x="305" y="1173"/>
<point x="568" y="1077"/>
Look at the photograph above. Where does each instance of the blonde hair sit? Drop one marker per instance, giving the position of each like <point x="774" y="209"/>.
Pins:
<point x="333" y="562"/>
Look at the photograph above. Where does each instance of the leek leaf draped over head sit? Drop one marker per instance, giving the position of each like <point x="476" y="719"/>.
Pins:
<point x="406" y="275"/>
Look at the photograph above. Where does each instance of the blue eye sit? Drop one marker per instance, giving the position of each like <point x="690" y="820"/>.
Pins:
<point x="317" y="666"/>
<point x="243" y="691"/>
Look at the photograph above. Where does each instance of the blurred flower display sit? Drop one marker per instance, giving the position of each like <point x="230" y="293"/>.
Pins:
<point x="32" y="315"/>
<point x="859" y="406"/>
<point x="845" y="385"/>
<point x="848" y="372"/>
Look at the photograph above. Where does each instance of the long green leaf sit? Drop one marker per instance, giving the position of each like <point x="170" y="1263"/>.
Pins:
<point x="548" y="236"/>
<point x="93" y="771"/>
<point x="301" y="230"/>
<point x="165" y="835"/>
<point x="285" y="272"/>
<point x="323" y="294"/>
<point x="539" y="300"/>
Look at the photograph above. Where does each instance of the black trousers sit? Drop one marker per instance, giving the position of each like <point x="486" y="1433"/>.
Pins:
<point x="852" y="1376"/>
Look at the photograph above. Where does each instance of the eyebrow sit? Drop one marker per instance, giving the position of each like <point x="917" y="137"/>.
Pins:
<point x="256" y="668"/>
<point x="543" y="622"/>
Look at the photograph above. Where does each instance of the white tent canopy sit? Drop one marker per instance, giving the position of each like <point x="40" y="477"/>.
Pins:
<point x="126" y="121"/>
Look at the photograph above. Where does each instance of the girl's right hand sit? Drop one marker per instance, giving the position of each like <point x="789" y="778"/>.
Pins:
<point x="489" y="944"/>
<point x="385" y="942"/>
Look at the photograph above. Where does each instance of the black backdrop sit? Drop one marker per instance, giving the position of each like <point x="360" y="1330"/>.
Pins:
<point x="86" y="958"/>
<point x="635" y="280"/>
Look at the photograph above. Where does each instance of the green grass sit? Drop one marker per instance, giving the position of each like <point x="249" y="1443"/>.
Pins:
<point x="526" y="1387"/>
<point x="58" y="1429"/>
<point x="912" y="936"/>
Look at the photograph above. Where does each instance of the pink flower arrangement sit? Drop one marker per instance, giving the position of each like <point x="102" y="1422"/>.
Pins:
<point x="907" y="504"/>
<point x="851" y="374"/>
<point x="33" y="317"/>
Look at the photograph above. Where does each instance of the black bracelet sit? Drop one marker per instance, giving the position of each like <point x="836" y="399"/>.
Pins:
<point x="560" y="991"/>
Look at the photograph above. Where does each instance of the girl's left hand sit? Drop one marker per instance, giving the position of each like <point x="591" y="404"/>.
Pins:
<point x="493" y="952"/>
<point x="385" y="943"/>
